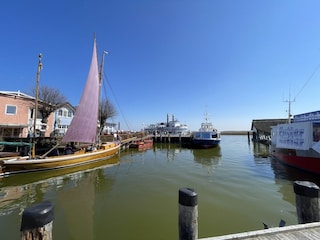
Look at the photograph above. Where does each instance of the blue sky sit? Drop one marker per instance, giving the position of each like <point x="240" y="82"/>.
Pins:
<point x="237" y="60"/>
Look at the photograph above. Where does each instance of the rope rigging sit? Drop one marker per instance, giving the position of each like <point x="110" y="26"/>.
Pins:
<point x="115" y="98"/>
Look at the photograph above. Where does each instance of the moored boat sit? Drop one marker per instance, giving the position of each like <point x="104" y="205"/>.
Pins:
<point x="142" y="144"/>
<point x="297" y="144"/>
<point x="172" y="127"/>
<point x="207" y="136"/>
<point x="83" y="129"/>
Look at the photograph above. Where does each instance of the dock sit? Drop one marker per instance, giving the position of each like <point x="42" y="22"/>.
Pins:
<point x="172" y="138"/>
<point x="308" y="231"/>
<point x="308" y="212"/>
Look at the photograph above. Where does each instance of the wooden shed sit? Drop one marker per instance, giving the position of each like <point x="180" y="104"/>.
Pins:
<point x="261" y="129"/>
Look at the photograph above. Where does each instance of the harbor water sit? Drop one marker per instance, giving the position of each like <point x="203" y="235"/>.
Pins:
<point x="239" y="188"/>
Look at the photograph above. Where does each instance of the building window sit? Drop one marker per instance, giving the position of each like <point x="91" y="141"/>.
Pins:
<point x="60" y="112"/>
<point x="12" y="110"/>
<point x="69" y="114"/>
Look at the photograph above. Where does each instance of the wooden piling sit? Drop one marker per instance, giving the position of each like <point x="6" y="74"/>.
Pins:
<point x="307" y="201"/>
<point x="37" y="222"/>
<point x="188" y="214"/>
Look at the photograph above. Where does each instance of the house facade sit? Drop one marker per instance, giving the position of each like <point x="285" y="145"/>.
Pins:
<point x="62" y="119"/>
<point x="17" y="116"/>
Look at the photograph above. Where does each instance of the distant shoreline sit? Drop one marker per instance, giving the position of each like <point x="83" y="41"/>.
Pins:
<point x="235" y="132"/>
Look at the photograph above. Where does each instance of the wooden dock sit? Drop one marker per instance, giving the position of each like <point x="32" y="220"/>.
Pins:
<point x="172" y="138"/>
<point x="308" y="231"/>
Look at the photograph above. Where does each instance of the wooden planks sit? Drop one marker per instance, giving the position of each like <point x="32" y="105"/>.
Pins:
<point x="309" y="231"/>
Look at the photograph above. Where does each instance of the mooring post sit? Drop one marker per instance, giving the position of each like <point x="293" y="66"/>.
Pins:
<point x="188" y="214"/>
<point x="37" y="222"/>
<point x="307" y="201"/>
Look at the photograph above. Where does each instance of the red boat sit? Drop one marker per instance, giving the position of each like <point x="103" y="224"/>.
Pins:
<point x="297" y="144"/>
<point x="142" y="144"/>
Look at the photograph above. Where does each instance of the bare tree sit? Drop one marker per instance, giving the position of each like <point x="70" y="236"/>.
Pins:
<point x="106" y="110"/>
<point x="50" y="99"/>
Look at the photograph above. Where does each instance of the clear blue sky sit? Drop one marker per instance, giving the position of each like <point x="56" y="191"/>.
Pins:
<point x="237" y="60"/>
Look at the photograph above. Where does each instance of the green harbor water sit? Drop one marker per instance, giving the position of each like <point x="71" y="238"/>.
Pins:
<point x="239" y="188"/>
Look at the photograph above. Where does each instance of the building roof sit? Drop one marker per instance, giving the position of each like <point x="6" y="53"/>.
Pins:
<point x="264" y="125"/>
<point x="16" y="94"/>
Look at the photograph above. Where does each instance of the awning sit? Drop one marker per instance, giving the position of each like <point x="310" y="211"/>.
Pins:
<point x="18" y="144"/>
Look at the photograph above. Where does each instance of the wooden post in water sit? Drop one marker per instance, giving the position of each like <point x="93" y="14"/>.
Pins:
<point x="37" y="222"/>
<point x="307" y="201"/>
<point x="188" y="214"/>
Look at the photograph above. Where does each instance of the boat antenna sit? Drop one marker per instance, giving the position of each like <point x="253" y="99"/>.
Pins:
<point x="36" y="106"/>
<point x="289" y="101"/>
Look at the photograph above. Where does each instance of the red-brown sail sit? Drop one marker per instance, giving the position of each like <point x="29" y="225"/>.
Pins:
<point x="83" y="127"/>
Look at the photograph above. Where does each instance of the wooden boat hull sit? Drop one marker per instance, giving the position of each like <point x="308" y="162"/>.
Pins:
<point x="23" y="165"/>
<point x="142" y="144"/>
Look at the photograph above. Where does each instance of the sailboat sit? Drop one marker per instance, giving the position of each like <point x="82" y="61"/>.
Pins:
<point x="83" y="129"/>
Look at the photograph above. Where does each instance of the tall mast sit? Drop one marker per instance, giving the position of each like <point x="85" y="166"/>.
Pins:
<point x="36" y="106"/>
<point x="100" y="83"/>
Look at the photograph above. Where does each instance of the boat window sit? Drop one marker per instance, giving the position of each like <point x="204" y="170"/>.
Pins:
<point x="206" y="135"/>
<point x="316" y="132"/>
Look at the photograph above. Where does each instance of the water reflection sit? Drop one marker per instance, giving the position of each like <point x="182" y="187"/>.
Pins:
<point x="283" y="175"/>
<point x="285" y="172"/>
<point x="260" y="150"/>
<point x="171" y="150"/>
<point x="21" y="191"/>
<point x="207" y="157"/>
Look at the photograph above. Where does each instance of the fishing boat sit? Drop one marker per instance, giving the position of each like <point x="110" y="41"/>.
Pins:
<point x="297" y="143"/>
<point x="83" y="129"/>
<point x="207" y="136"/>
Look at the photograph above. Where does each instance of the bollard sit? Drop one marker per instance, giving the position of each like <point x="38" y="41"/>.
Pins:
<point x="37" y="221"/>
<point x="307" y="201"/>
<point x="188" y="214"/>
